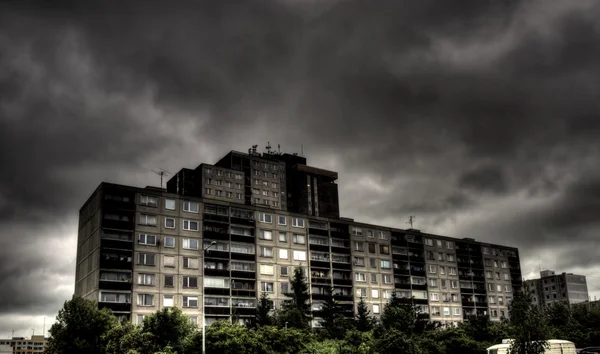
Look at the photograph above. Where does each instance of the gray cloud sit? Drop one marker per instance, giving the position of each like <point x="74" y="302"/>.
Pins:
<point x="479" y="117"/>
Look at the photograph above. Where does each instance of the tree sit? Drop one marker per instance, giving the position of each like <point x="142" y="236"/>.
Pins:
<point x="80" y="327"/>
<point x="223" y="337"/>
<point x="296" y="311"/>
<point x="403" y="315"/>
<point x="263" y="317"/>
<point x="363" y="320"/>
<point x="332" y="316"/>
<point x="167" y="327"/>
<point x="530" y="331"/>
<point x="126" y="338"/>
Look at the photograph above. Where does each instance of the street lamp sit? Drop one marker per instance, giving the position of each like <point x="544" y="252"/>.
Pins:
<point x="203" y="300"/>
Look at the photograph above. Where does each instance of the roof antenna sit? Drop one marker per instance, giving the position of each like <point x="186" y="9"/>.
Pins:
<point x="279" y="148"/>
<point x="268" y="147"/>
<point x="411" y="220"/>
<point x="301" y="150"/>
<point x="161" y="173"/>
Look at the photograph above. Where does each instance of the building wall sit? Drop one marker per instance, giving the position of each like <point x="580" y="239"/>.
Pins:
<point x="21" y="345"/>
<point x="253" y="248"/>
<point x="551" y="287"/>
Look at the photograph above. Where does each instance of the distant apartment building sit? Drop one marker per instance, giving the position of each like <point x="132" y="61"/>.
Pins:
<point x="590" y="305"/>
<point x="22" y="345"/>
<point x="246" y="222"/>
<point x="551" y="287"/>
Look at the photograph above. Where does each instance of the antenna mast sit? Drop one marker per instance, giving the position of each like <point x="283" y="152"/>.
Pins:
<point x="161" y="173"/>
<point x="411" y="220"/>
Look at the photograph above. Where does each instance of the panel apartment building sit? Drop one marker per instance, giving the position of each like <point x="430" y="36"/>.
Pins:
<point x="551" y="287"/>
<point x="248" y="220"/>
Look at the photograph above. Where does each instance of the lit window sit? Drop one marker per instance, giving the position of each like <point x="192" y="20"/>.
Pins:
<point x="375" y="308"/>
<point x="170" y="204"/>
<point x="299" y="255"/>
<point x="385" y="264"/>
<point x="283" y="254"/>
<point x="375" y="293"/>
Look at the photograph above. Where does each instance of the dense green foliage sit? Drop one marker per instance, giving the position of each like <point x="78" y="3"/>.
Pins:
<point x="82" y="328"/>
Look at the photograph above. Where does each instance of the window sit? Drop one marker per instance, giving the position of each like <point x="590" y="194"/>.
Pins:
<point x="169" y="223"/>
<point x="266" y="287"/>
<point x="387" y="278"/>
<point x="370" y="234"/>
<point x="190" y="207"/>
<point x="357" y="231"/>
<point x="190" y="301"/>
<point x="360" y="277"/>
<point x="491" y="287"/>
<point x="450" y="245"/>
<point x="299" y="239"/>
<point x="442" y="270"/>
<point x="282" y="220"/>
<point x="375" y="293"/>
<point x="190" y="282"/>
<point x="359" y="246"/>
<point x="387" y="294"/>
<point x="238" y="176"/>
<point x="298" y="222"/>
<point x="507" y="288"/>
<point x="373" y="278"/>
<point x="219" y="173"/>
<point x="498" y="287"/>
<point x="140" y="319"/>
<point x="266" y="251"/>
<point x="372" y="248"/>
<point x="454" y="284"/>
<point x="283" y="254"/>
<point x="359" y="261"/>
<point x="383" y="235"/>
<point x="428" y="242"/>
<point x="449" y="257"/>
<point x="147" y="220"/>
<point x="454" y="298"/>
<point x="208" y="191"/>
<point x="431" y="268"/>
<point x="385" y="264"/>
<point x="438" y="243"/>
<point x="266" y="218"/>
<point x="283" y="271"/>
<point x="190" y="263"/>
<point x="489" y="275"/>
<point x="446" y="311"/>
<point x="146" y="279"/>
<point x="170" y="204"/>
<point x="145" y="239"/>
<point x="282" y="237"/>
<point x="266" y="235"/>
<point x="145" y="300"/>
<point x="299" y="255"/>
<point x="169" y="281"/>
<point x="456" y="311"/>
<point x="492" y="300"/>
<point x="238" y="196"/>
<point x="432" y="283"/>
<point x="190" y="225"/>
<point x="375" y="308"/>
<point x="434" y="297"/>
<point x="146" y="259"/>
<point x="361" y="292"/>
<point x="443" y="283"/>
<point x="216" y="283"/>
<point x="285" y="288"/>
<point x="495" y="264"/>
<point x="190" y="244"/>
<point x="169" y="261"/>
<point x="452" y="271"/>
<point x="169" y="241"/>
<point x="507" y="276"/>
<point x="219" y="193"/>
<point x="486" y="250"/>
<point x="148" y="201"/>
<point x="383" y="249"/>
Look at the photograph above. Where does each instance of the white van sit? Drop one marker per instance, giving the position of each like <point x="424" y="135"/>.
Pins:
<point x="556" y="346"/>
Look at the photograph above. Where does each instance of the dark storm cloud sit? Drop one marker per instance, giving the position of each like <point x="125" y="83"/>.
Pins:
<point x="479" y="116"/>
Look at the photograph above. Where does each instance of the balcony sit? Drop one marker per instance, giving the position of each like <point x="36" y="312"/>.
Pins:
<point x="216" y="291"/>
<point x="244" y="311"/>
<point x="116" y="306"/>
<point x="116" y="244"/>
<point x="243" y="292"/>
<point x="319" y="264"/>
<point x="341" y="266"/>
<point x="217" y="253"/>
<point x="342" y="281"/>
<point x="215" y="233"/>
<point x="217" y="310"/>
<point x="318" y="247"/>
<point x="114" y="285"/>
<point x="243" y="274"/>
<point x="243" y="256"/>
<point x="344" y="297"/>
<point x="315" y="231"/>
<point x="243" y="238"/>
<point x="112" y="263"/>
<point x="216" y="272"/>
<point x="216" y="218"/>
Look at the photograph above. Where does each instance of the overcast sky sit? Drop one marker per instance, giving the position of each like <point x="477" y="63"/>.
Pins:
<point x="482" y="118"/>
